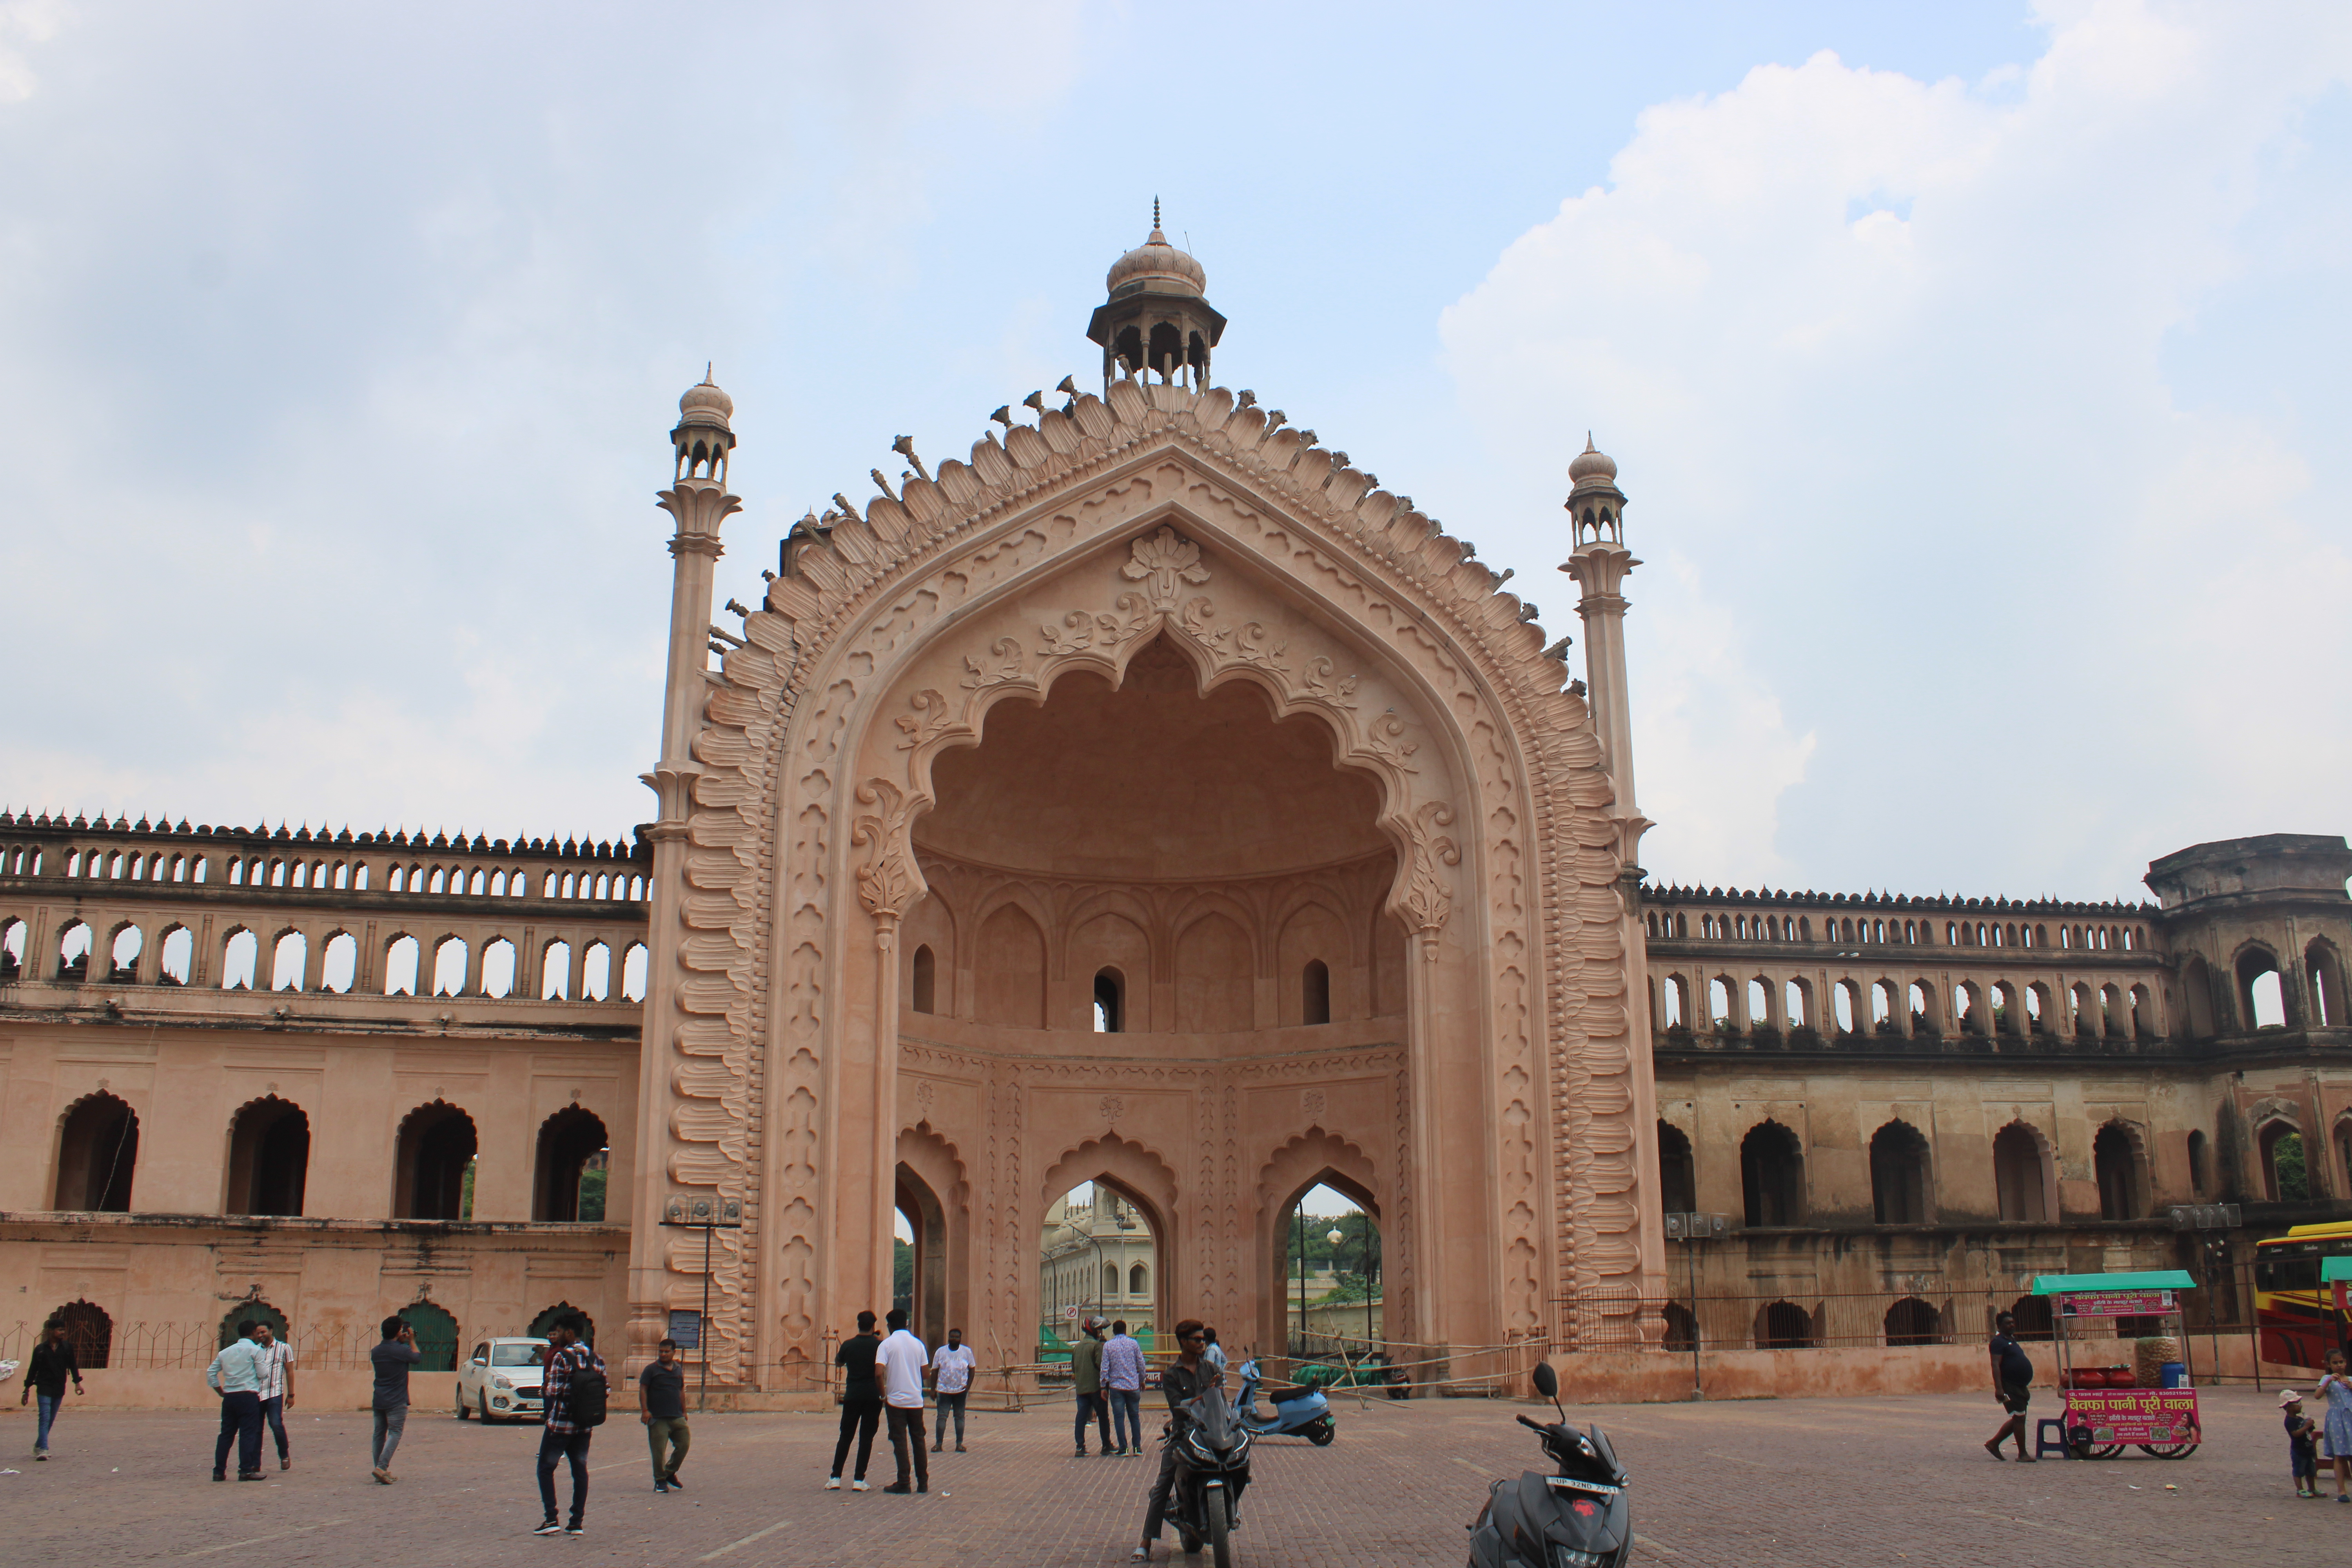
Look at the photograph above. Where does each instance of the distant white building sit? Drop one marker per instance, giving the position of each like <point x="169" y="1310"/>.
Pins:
<point x="1098" y="1259"/>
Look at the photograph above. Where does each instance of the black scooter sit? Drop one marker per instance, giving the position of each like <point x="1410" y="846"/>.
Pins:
<point x="1212" y="1471"/>
<point x="1577" y="1518"/>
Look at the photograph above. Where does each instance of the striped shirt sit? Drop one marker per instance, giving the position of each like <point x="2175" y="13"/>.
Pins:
<point x="277" y="1359"/>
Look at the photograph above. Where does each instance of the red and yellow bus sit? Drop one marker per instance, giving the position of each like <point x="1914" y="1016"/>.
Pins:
<point x="2295" y="1314"/>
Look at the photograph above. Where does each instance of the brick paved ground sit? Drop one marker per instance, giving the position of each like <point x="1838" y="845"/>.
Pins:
<point x="1802" y="1483"/>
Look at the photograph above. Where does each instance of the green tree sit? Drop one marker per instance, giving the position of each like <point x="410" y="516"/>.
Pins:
<point x="1352" y="1255"/>
<point x="592" y="1194"/>
<point x="2286" y="1165"/>
<point x="902" y="1276"/>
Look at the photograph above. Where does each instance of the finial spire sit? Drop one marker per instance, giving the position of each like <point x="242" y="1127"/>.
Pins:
<point x="1155" y="212"/>
<point x="708" y="382"/>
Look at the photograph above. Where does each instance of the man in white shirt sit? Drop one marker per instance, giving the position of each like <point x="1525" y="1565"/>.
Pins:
<point x="235" y="1376"/>
<point x="952" y="1365"/>
<point x="277" y="1386"/>
<point x="900" y="1362"/>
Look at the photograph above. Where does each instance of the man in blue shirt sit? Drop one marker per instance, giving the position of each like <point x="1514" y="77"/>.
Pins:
<point x="236" y="1375"/>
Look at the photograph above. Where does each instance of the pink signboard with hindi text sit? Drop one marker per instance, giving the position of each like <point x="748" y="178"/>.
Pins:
<point x="2115" y="1304"/>
<point x="2134" y="1415"/>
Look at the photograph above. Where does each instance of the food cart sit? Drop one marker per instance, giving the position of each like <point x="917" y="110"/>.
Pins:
<point x="2111" y="1407"/>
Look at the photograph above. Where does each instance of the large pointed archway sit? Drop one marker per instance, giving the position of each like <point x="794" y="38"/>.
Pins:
<point x="1419" y="946"/>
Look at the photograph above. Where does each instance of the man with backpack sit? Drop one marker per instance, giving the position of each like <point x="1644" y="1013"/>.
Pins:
<point x="577" y="1393"/>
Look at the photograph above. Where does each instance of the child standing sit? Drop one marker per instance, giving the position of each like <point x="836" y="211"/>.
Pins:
<point x="2336" y="1390"/>
<point x="2302" y="1444"/>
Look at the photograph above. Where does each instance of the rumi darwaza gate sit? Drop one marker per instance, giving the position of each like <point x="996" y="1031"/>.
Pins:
<point x="1152" y="801"/>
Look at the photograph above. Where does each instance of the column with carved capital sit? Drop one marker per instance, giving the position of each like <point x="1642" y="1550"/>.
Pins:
<point x="699" y="500"/>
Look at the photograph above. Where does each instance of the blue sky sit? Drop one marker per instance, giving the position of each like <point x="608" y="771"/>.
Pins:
<point x="1974" y="372"/>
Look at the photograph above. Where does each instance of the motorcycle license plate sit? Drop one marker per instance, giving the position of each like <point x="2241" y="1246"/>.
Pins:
<point x="1594" y="1489"/>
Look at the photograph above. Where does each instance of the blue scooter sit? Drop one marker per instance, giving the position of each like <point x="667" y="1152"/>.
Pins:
<point x="1298" y="1412"/>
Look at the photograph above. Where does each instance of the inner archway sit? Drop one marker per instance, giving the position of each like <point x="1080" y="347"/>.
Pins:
<point x="1097" y="1258"/>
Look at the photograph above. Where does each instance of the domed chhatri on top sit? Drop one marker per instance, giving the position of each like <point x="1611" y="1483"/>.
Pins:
<point x="1591" y="464"/>
<point x="1156" y="321"/>
<point x="1157" y="264"/>
<point x="703" y="436"/>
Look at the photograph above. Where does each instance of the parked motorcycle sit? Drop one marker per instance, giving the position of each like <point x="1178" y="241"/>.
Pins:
<point x="1301" y="1412"/>
<point x="1575" y="1517"/>
<point x="1212" y="1471"/>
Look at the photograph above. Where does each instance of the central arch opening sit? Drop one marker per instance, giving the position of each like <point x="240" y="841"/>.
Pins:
<point x="1097" y="1258"/>
<point x="1214" y="872"/>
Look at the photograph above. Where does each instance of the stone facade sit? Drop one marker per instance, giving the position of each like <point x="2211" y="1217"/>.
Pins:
<point x="1154" y="705"/>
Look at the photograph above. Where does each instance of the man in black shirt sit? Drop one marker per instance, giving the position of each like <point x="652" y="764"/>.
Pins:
<point x="661" y="1405"/>
<point x="2012" y="1383"/>
<point x="861" y="1401"/>
<point x="390" y="1358"/>
<point x="1182" y="1383"/>
<point x="46" y="1371"/>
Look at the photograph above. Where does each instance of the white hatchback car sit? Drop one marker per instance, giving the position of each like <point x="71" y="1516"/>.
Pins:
<point x="502" y="1379"/>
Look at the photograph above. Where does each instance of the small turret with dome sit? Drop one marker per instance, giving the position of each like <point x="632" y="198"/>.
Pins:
<point x="1157" y="320"/>
<point x="703" y="436"/>
<point x="1595" y="504"/>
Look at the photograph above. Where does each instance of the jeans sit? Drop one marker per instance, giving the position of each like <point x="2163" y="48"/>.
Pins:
<point x="390" y="1420"/>
<point x="906" y="1431"/>
<point x="858" y="1417"/>
<point x="667" y="1432"/>
<point x="571" y="1446"/>
<point x="273" y="1416"/>
<point x="951" y="1402"/>
<point x="1127" y="1417"/>
<point x="1157" y="1508"/>
<point x="48" y="1404"/>
<point x="241" y="1425"/>
<point x="1096" y="1408"/>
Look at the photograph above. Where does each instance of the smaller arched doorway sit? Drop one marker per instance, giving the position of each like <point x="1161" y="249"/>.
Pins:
<point x="269" y="1158"/>
<point x="568" y="1184"/>
<point x="98" y="1154"/>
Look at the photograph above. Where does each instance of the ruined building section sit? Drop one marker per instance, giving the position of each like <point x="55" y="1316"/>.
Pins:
<point x="336" y="1074"/>
<point x="1942" y="1095"/>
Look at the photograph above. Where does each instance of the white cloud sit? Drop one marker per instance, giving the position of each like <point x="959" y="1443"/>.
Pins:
<point x="1886" y="357"/>
<point x="23" y="24"/>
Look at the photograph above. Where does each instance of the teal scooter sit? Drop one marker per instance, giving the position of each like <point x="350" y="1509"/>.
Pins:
<point x="1298" y="1412"/>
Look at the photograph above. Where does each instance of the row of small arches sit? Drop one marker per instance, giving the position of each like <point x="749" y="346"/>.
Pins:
<point x="280" y="871"/>
<point x="1890" y="1008"/>
<point x="1672" y="925"/>
<point x="1784" y="1325"/>
<point x="91" y="1330"/>
<point x="1903" y="1188"/>
<point x="407" y="969"/>
<point x="266" y="1161"/>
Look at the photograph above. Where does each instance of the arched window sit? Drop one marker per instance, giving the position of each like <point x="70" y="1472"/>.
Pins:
<point x="1923" y="1017"/>
<point x="89" y="1330"/>
<point x="926" y="979"/>
<point x="555" y="972"/>
<point x="268" y="1157"/>
<point x="240" y="961"/>
<point x="1783" y="1326"/>
<point x="2034" y="1320"/>
<point x="2285" y="1179"/>
<point x="2200" y="1174"/>
<point x="2018" y="1175"/>
<point x="288" y="956"/>
<point x="1912" y="1321"/>
<point x="1110" y="1009"/>
<point x="569" y="1185"/>
<point x="250" y="1312"/>
<point x="2116" y="1165"/>
<point x="400" y="964"/>
<point x="11" y="949"/>
<point x="1682" y="1327"/>
<point x="2261" y="1000"/>
<point x="1676" y="998"/>
<point x="339" y="965"/>
<point x="449" y="966"/>
<point x="2324" y="967"/>
<point x="633" y="972"/>
<point x="498" y="968"/>
<point x="1110" y="1280"/>
<point x="596" y="973"/>
<point x="437" y="1336"/>
<point x="1139" y="1280"/>
<point x="124" y="952"/>
<point x="1315" y="992"/>
<point x="1882" y="1009"/>
<point x="431" y="1164"/>
<point x="1773" y="1176"/>
<point x="1677" y="1172"/>
<point x="74" y="944"/>
<point x="98" y="1154"/>
<point x="546" y="1321"/>
<point x="1898" y="1175"/>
